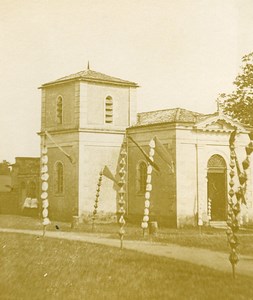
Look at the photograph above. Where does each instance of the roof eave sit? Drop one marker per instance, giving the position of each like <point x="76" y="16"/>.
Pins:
<point x="128" y="84"/>
<point x="163" y="123"/>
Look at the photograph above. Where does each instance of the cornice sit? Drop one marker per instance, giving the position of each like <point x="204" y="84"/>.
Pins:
<point x="80" y="130"/>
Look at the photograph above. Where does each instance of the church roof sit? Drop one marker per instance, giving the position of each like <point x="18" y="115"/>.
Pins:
<point x="174" y="115"/>
<point x="92" y="76"/>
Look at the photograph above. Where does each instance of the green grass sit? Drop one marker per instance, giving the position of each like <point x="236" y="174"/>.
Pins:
<point x="46" y="268"/>
<point x="210" y="238"/>
<point x="23" y="222"/>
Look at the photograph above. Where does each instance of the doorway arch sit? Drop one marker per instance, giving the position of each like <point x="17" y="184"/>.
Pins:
<point x="217" y="187"/>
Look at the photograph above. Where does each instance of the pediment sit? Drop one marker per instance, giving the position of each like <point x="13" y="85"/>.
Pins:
<point x="219" y="123"/>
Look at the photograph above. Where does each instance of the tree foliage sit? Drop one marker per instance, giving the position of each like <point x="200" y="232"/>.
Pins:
<point x="239" y="104"/>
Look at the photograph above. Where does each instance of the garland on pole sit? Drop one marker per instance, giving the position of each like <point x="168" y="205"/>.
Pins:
<point x="44" y="186"/>
<point x="122" y="191"/>
<point x="107" y="173"/>
<point x="209" y="209"/>
<point x="236" y="198"/>
<point x="145" y="219"/>
<point x="97" y="198"/>
<point x="45" y="176"/>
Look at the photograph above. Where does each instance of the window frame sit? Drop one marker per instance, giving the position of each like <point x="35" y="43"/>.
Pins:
<point x="141" y="177"/>
<point x="108" y="107"/>
<point x="59" y="119"/>
<point x="32" y="189"/>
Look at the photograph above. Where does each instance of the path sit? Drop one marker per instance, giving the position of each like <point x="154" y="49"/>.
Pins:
<point x="203" y="257"/>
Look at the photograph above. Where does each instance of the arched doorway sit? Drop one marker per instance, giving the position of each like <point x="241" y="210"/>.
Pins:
<point x="217" y="188"/>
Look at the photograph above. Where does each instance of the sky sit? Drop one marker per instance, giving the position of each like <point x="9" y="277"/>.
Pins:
<point x="182" y="53"/>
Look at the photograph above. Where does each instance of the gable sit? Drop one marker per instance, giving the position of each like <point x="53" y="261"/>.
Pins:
<point x="219" y="123"/>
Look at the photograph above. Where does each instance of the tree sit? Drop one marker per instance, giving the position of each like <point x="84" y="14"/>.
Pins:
<point x="239" y="104"/>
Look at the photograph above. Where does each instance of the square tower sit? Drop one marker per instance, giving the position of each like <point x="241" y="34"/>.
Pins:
<point x="83" y="121"/>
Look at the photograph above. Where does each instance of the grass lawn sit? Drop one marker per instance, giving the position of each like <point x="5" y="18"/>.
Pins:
<point x="45" y="268"/>
<point x="209" y="238"/>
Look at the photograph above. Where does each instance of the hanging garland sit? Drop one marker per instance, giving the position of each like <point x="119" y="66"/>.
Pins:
<point x="122" y="191"/>
<point x="97" y="199"/>
<point x="209" y="209"/>
<point x="144" y="224"/>
<point x="44" y="187"/>
<point x="236" y="198"/>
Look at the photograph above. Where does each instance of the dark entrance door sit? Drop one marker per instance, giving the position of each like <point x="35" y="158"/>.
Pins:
<point x="217" y="195"/>
<point x="217" y="188"/>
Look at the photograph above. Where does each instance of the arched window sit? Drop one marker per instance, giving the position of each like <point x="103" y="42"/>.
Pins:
<point x="31" y="193"/>
<point x="108" y="110"/>
<point x="216" y="162"/>
<point x="141" y="177"/>
<point x="59" y="178"/>
<point x="22" y="185"/>
<point x="59" y="110"/>
<point x="23" y="191"/>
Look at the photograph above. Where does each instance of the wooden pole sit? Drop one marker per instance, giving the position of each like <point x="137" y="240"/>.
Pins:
<point x="97" y="199"/>
<point x="122" y="191"/>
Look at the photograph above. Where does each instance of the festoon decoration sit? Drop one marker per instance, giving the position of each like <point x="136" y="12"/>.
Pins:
<point x="209" y="209"/>
<point x="44" y="187"/>
<point x="122" y="191"/>
<point x="236" y="196"/>
<point x="144" y="224"/>
<point x="97" y="198"/>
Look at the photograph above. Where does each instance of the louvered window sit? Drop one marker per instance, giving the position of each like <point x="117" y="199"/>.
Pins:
<point x="108" y="110"/>
<point x="59" y="110"/>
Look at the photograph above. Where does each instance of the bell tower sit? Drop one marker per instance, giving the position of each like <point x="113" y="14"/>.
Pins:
<point x="83" y="121"/>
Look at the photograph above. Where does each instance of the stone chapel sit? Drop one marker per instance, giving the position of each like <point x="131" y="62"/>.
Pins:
<point x="87" y="115"/>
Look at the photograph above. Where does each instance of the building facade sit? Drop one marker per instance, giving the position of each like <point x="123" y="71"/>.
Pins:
<point x="196" y="190"/>
<point x="84" y="119"/>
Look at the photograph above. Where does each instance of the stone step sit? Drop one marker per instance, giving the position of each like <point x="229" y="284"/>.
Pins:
<point x="218" y="224"/>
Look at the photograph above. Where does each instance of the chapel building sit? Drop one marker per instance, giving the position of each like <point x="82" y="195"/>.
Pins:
<point x="193" y="188"/>
<point x="85" y="117"/>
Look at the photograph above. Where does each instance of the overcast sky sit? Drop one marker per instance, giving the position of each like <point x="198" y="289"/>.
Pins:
<point x="183" y="53"/>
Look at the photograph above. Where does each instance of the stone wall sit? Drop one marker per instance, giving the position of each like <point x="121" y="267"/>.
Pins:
<point x="163" y="194"/>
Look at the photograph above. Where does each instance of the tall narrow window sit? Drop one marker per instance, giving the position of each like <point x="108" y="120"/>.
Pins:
<point x="108" y="110"/>
<point x="141" y="177"/>
<point x="31" y="190"/>
<point x="59" y="178"/>
<point x="59" y="110"/>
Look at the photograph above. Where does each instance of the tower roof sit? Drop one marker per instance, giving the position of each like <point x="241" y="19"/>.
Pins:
<point x="91" y="76"/>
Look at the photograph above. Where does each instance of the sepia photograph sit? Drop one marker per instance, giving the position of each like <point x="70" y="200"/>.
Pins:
<point x="126" y="155"/>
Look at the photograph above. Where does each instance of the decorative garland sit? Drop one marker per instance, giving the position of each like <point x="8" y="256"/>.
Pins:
<point x="144" y="224"/>
<point x="236" y="199"/>
<point x="209" y="209"/>
<point x="122" y="191"/>
<point x="44" y="187"/>
<point x="97" y="198"/>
